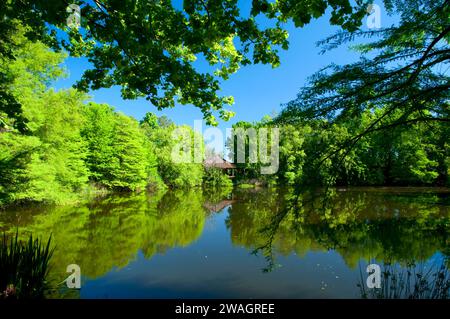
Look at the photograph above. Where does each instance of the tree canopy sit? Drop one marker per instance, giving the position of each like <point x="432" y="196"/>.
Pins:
<point x="74" y="148"/>
<point x="418" y="154"/>
<point x="149" y="47"/>
<point x="403" y="71"/>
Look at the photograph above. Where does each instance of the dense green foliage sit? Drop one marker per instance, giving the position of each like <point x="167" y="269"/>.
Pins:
<point x="393" y="103"/>
<point x="383" y="120"/>
<point x="72" y="147"/>
<point x="58" y="146"/>
<point x="214" y="177"/>
<point x="415" y="155"/>
<point x="149" y="47"/>
<point x="117" y="156"/>
<point x="47" y="163"/>
<point x="160" y="135"/>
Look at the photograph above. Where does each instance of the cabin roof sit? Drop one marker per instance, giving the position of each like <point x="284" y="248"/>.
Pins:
<point x="218" y="162"/>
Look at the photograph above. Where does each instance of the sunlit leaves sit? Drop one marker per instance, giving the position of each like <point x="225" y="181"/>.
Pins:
<point x="149" y="47"/>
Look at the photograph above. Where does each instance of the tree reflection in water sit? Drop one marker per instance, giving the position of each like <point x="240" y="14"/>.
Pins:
<point x="357" y="224"/>
<point x="109" y="233"/>
<point x="360" y="225"/>
<point x="388" y="226"/>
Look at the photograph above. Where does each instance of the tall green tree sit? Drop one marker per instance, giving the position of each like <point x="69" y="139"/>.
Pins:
<point x="159" y="132"/>
<point x="99" y="132"/>
<point x="47" y="164"/>
<point x="118" y="156"/>
<point x="130" y="154"/>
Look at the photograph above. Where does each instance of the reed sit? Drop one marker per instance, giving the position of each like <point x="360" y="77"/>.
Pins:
<point x="24" y="267"/>
<point x="411" y="282"/>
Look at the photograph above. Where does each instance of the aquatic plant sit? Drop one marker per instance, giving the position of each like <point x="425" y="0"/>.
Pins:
<point x="411" y="282"/>
<point x="24" y="267"/>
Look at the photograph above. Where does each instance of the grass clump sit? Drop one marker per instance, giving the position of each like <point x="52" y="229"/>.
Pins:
<point x="24" y="266"/>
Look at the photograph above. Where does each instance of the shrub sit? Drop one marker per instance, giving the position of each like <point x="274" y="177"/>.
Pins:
<point x="215" y="177"/>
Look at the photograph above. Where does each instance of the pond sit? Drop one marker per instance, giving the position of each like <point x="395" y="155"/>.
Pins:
<point x="246" y="243"/>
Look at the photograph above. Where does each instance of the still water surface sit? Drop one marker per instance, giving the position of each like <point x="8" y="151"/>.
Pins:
<point x="243" y="244"/>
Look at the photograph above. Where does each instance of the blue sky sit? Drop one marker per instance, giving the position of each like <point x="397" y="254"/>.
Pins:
<point x="258" y="90"/>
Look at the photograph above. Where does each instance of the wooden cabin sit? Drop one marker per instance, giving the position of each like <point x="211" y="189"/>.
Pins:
<point x="217" y="161"/>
